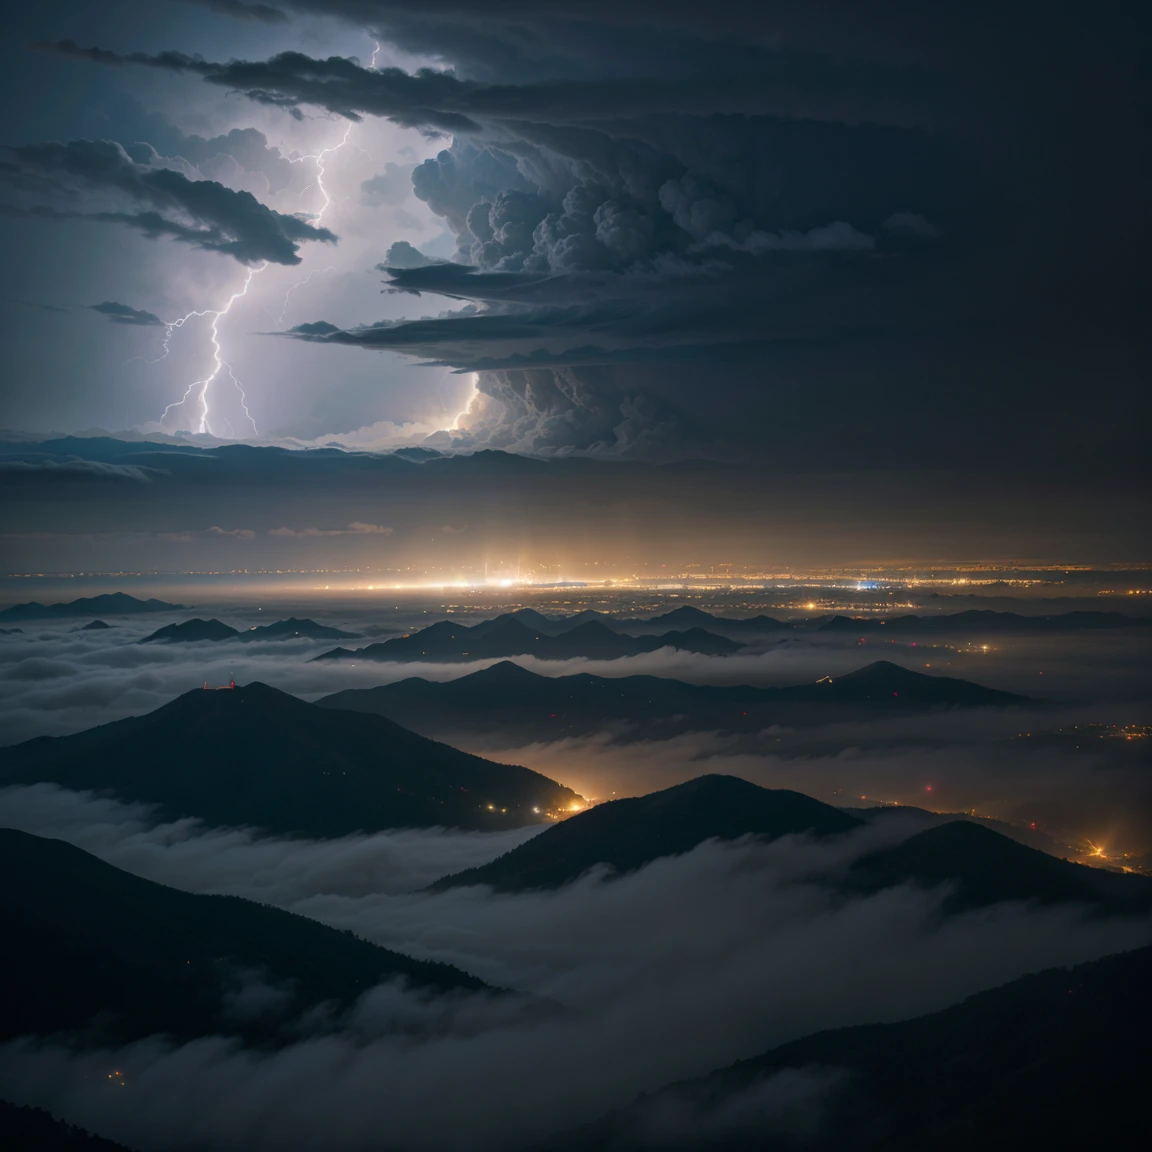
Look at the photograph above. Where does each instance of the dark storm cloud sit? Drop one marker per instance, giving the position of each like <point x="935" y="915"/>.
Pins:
<point x="123" y="314"/>
<point x="792" y="505"/>
<point x="715" y="221"/>
<point x="242" y="10"/>
<point x="291" y="79"/>
<point x="440" y="101"/>
<point x="199" y="212"/>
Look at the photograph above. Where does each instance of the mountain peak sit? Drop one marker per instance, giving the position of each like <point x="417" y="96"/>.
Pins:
<point x="686" y="615"/>
<point x="507" y="672"/>
<point x="254" y="755"/>
<point x="192" y="630"/>
<point x="627" y="834"/>
<point x="882" y="670"/>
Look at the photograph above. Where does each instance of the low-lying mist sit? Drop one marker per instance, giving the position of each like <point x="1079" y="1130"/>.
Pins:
<point x="58" y="680"/>
<point x="683" y="966"/>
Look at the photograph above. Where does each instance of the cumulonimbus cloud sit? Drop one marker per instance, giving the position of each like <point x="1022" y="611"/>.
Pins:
<point x="742" y="213"/>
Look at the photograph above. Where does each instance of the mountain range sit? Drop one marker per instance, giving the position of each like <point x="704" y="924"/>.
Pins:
<point x="506" y="698"/>
<point x="750" y="629"/>
<point x="256" y="756"/>
<point x="95" y="952"/>
<point x="449" y="641"/>
<point x="977" y="865"/>
<point x="191" y="631"/>
<point x="982" y="867"/>
<point x="108" y="604"/>
<point x="1053" y="1060"/>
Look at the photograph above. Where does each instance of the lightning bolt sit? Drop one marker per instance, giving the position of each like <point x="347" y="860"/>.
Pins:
<point x="219" y="364"/>
<point x="319" y="159"/>
<point x="300" y="284"/>
<point x="200" y="388"/>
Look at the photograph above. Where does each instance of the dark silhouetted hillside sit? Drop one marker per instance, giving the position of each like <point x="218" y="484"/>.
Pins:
<point x="94" y="626"/>
<point x="510" y="699"/>
<point x="190" y="631"/>
<point x="293" y="629"/>
<point x="109" y="604"/>
<point x="257" y="756"/>
<point x="92" y="950"/>
<point x="627" y="834"/>
<point x="34" y="1130"/>
<point x="1054" y="1060"/>
<point x="687" y="616"/>
<point x="986" y="867"/>
<point x="884" y="682"/>
<point x="448" y="641"/>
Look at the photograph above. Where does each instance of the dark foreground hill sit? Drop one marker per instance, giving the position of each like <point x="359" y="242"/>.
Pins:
<point x="984" y="867"/>
<point x="976" y="865"/>
<point x="448" y="641"/>
<point x="34" y="1130"/>
<point x="627" y="834"/>
<point x="1055" y="1060"/>
<point x="94" y="951"/>
<point x="506" y="698"/>
<point x="257" y="756"/>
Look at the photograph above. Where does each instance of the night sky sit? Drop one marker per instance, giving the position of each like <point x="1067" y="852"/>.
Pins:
<point x="655" y="230"/>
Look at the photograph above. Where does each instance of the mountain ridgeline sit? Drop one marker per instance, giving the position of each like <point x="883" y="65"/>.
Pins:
<point x="449" y="641"/>
<point x="506" y="698"/>
<point x="979" y="866"/>
<point x="598" y="636"/>
<point x="973" y="866"/>
<point x="109" y="604"/>
<point x="191" y="631"/>
<point x="1052" y="1060"/>
<point x="95" y="952"/>
<point x="624" y="835"/>
<point x="256" y="756"/>
<point x="34" y="1130"/>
